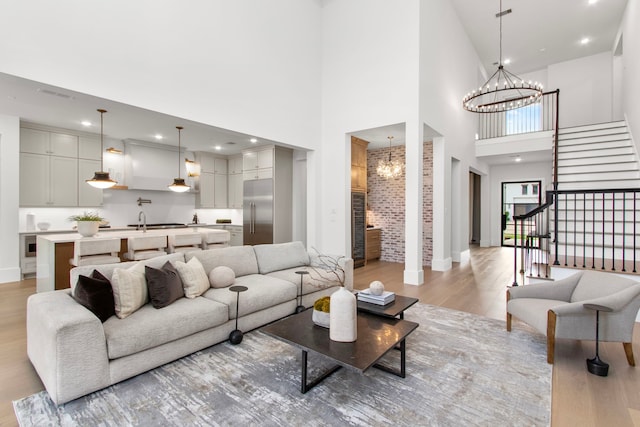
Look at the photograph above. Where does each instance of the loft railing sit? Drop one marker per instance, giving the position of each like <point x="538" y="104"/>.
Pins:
<point x="541" y="116"/>
<point x="594" y="229"/>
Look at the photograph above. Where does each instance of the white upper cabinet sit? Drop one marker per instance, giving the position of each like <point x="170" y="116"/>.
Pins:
<point x="42" y="142"/>
<point x="235" y="164"/>
<point x="89" y="148"/>
<point x="257" y="164"/>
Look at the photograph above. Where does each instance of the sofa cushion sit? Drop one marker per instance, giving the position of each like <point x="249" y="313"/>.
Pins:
<point x="595" y="284"/>
<point x="107" y="269"/>
<point x="221" y="277"/>
<point x="280" y="256"/>
<point x="129" y="289"/>
<point x="96" y="295"/>
<point x="164" y="285"/>
<point x="241" y="259"/>
<point x="262" y="292"/>
<point x="316" y="280"/>
<point x="149" y="327"/>
<point x="194" y="279"/>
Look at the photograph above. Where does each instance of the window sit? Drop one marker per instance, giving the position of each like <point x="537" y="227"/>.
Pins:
<point x="525" y="189"/>
<point x="524" y="120"/>
<point x="534" y="189"/>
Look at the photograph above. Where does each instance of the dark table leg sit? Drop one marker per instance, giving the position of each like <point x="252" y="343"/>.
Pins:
<point x="402" y="372"/>
<point x="304" y="386"/>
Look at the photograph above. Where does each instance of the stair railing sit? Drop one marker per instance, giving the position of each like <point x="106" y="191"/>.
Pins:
<point x="532" y="241"/>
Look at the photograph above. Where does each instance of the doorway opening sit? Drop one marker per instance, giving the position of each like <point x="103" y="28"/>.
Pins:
<point x="518" y="198"/>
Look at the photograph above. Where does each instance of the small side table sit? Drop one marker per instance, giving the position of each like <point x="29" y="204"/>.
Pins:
<point x="235" y="337"/>
<point x="595" y="365"/>
<point x="300" y="308"/>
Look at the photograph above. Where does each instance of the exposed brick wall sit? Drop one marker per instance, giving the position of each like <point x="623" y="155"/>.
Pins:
<point x="386" y="203"/>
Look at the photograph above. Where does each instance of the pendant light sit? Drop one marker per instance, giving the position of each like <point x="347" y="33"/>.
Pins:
<point x="101" y="179"/>
<point x="504" y="90"/>
<point x="178" y="183"/>
<point x="389" y="168"/>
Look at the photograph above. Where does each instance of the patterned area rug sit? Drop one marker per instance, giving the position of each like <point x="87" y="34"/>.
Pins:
<point x="462" y="369"/>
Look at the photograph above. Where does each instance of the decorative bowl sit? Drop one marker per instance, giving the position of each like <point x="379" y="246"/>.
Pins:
<point x="320" y="318"/>
<point x="43" y="226"/>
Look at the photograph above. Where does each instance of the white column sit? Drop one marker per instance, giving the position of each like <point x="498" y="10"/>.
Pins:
<point x="441" y="260"/>
<point x="9" y="198"/>
<point x="413" y="273"/>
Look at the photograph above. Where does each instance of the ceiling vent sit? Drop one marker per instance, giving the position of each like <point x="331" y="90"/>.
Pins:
<point x="54" y="93"/>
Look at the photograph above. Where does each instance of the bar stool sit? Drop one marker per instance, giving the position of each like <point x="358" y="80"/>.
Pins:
<point x="215" y="239"/>
<point x="145" y="247"/>
<point x="184" y="242"/>
<point x="95" y="251"/>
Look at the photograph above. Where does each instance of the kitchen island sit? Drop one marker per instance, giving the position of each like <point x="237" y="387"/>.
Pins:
<point x="55" y="250"/>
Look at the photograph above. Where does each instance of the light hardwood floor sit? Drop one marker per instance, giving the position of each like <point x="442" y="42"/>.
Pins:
<point x="477" y="286"/>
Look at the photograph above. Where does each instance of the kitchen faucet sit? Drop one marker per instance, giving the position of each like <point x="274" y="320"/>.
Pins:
<point x="143" y="217"/>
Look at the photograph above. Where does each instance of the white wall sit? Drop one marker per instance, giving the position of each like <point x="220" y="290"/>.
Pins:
<point x="249" y="66"/>
<point x="511" y="173"/>
<point x="9" y="173"/>
<point x="631" y="67"/>
<point x="586" y="89"/>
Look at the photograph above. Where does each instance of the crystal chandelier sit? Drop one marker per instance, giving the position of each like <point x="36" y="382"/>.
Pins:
<point x="389" y="168"/>
<point x="504" y="90"/>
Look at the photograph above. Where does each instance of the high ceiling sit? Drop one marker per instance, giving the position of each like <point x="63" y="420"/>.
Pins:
<point x="535" y="34"/>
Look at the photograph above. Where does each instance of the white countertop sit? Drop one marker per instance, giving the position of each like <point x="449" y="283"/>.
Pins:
<point x="122" y="233"/>
<point x="124" y="228"/>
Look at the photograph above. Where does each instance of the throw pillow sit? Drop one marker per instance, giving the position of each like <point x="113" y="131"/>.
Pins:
<point x="221" y="277"/>
<point x="164" y="285"/>
<point x="95" y="294"/>
<point x="194" y="278"/>
<point x="129" y="289"/>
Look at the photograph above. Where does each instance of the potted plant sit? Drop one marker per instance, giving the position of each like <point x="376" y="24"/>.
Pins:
<point x="88" y="223"/>
<point x="321" y="309"/>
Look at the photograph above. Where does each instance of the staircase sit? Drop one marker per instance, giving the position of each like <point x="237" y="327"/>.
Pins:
<point x="596" y="210"/>
<point x="597" y="157"/>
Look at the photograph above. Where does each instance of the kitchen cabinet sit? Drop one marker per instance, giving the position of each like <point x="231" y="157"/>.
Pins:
<point x="49" y="143"/>
<point x="89" y="148"/>
<point x="48" y="180"/>
<point x="235" y="164"/>
<point x="212" y="184"/>
<point x="235" y="190"/>
<point x="374" y="243"/>
<point x="258" y="164"/>
<point x="235" y="232"/>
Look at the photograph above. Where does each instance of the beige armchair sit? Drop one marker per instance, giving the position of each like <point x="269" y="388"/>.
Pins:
<point x="558" y="310"/>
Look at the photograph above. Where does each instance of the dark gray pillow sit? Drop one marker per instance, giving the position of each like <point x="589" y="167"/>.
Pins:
<point x="95" y="293"/>
<point x="164" y="285"/>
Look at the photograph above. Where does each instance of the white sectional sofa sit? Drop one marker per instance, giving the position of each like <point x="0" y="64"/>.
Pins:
<point x="75" y="353"/>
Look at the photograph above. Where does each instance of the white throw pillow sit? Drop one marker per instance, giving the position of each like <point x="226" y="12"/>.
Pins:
<point x="129" y="289"/>
<point x="221" y="277"/>
<point x="194" y="278"/>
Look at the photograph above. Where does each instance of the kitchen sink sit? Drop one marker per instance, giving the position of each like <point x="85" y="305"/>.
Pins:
<point x="160" y="225"/>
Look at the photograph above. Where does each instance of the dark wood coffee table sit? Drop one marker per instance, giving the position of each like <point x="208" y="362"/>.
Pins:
<point x="376" y="337"/>
<point x="394" y="309"/>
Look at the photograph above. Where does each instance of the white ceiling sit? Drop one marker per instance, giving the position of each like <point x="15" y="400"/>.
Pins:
<point x="537" y="33"/>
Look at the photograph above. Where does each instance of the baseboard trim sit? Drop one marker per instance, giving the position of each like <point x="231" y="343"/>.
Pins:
<point x="414" y="277"/>
<point x="441" y="264"/>
<point x="10" y="275"/>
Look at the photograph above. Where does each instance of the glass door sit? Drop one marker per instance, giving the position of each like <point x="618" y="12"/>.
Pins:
<point x="518" y="198"/>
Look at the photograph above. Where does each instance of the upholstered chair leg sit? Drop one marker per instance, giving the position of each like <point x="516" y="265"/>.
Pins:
<point x="509" y="322"/>
<point x="551" y="335"/>
<point x="628" y="350"/>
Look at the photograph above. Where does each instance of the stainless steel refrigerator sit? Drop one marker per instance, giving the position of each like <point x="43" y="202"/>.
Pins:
<point x="257" y="211"/>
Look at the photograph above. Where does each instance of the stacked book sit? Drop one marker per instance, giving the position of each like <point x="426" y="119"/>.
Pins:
<point x="384" y="299"/>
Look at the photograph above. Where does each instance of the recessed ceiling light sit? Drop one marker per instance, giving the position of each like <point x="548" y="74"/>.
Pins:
<point x="253" y="140"/>
<point x="85" y="123"/>
<point x="593" y="1"/>
<point x="517" y="159"/>
<point x="507" y="61"/>
<point x="217" y="147"/>
<point x="158" y="137"/>
<point x="585" y="40"/>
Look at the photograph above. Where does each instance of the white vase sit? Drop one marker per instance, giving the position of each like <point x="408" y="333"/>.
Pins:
<point x="343" y="316"/>
<point x="88" y="228"/>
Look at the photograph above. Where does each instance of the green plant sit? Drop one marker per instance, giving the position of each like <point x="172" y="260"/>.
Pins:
<point x="86" y="216"/>
<point x="322" y="304"/>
